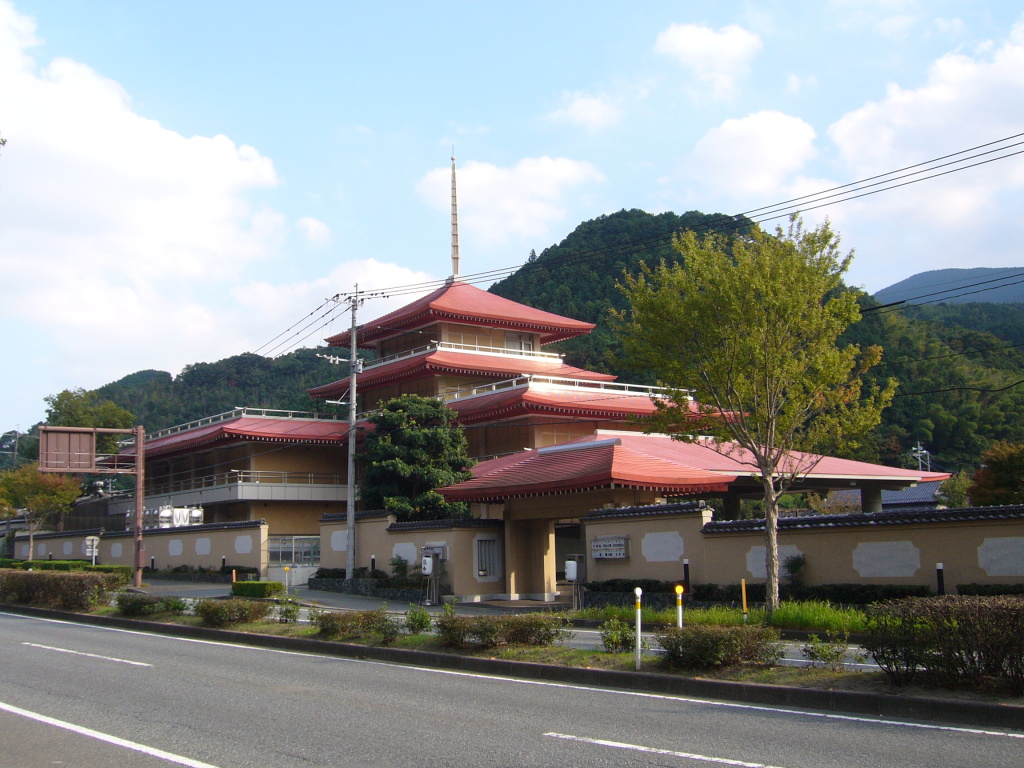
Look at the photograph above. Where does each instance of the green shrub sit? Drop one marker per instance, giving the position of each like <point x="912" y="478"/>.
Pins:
<point x="619" y="636"/>
<point x="829" y="653"/>
<point x="990" y="590"/>
<point x="649" y="586"/>
<point x="334" y="623"/>
<point x="492" y="631"/>
<point x="417" y="619"/>
<point x="897" y="639"/>
<point x="452" y="629"/>
<point x="329" y="573"/>
<point x="137" y="604"/>
<point x="697" y="646"/>
<point x="256" y="588"/>
<point x="73" y="591"/>
<point x="969" y="641"/>
<point x="234" y="610"/>
<point x="288" y="610"/>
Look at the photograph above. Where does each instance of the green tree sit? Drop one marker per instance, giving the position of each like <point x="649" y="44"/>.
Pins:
<point x="79" y="408"/>
<point x="1001" y="477"/>
<point x="749" y="331"/>
<point x="416" y="447"/>
<point x="39" y="496"/>
<point x="954" y="491"/>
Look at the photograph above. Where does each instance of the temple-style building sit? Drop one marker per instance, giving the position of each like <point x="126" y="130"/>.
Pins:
<point x="565" y="471"/>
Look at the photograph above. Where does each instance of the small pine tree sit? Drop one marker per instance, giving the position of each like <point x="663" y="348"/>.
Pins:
<point x="416" y="447"/>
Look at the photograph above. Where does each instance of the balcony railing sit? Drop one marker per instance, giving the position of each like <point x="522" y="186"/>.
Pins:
<point x="556" y="382"/>
<point x="262" y="413"/>
<point x="237" y="477"/>
<point x="476" y="349"/>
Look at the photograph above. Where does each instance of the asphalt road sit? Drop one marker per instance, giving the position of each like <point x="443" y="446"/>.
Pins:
<point x="89" y="697"/>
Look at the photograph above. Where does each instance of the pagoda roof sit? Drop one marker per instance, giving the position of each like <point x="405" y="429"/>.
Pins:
<point x="583" y="465"/>
<point x="653" y="462"/>
<point x="246" y="429"/>
<point x="443" y="361"/>
<point x="531" y="396"/>
<point x="463" y="303"/>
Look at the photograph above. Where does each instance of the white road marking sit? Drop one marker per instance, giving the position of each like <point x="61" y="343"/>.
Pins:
<point x="90" y="655"/>
<point x="115" y="740"/>
<point x="565" y="686"/>
<point x="653" y="751"/>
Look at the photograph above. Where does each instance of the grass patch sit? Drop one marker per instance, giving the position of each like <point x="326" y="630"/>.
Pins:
<point x="811" y="615"/>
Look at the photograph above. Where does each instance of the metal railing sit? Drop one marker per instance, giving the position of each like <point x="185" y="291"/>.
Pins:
<point x="264" y="413"/>
<point x="452" y="346"/>
<point x="237" y="477"/>
<point x="557" y="382"/>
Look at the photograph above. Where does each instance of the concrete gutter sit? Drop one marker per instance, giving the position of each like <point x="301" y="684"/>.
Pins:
<point x="926" y="709"/>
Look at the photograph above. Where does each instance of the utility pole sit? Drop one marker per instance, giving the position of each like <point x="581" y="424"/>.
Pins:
<point x="923" y="456"/>
<point x="355" y="368"/>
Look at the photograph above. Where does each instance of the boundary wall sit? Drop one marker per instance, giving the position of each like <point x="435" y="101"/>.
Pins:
<point x="206" y="546"/>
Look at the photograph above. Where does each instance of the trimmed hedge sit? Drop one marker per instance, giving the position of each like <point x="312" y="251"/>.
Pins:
<point x="492" y="631"/>
<point x="73" y="591"/>
<point x="972" y="641"/>
<point x="697" y="646"/>
<point x="257" y="588"/>
<point x="135" y="604"/>
<point x="990" y="589"/>
<point x="356" y="624"/>
<point x="234" y="610"/>
<point x="839" y="594"/>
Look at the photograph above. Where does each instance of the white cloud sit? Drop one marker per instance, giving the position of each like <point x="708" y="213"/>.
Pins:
<point x="120" y="239"/>
<point x="314" y="230"/>
<point x="593" y="112"/>
<point x="717" y="58"/>
<point x="965" y="102"/>
<point x="795" y="83"/>
<point x="896" y="27"/>
<point x="752" y="158"/>
<point x="497" y="203"/>
<point x="963" y="219"/>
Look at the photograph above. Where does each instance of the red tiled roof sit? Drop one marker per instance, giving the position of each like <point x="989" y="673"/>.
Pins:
<point x="643" y="461"/>
<point x="580" y="466"/>
<point x="248" y="428"/>
<point x="464" y="303"/>
<point x="458" y="363"/>
<point x="581" y="403"/>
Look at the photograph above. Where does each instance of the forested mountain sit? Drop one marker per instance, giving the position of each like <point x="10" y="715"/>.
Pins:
<point x="204" y="389"/>
<point x="577" y="277"/>
<point x="994" y="285"/>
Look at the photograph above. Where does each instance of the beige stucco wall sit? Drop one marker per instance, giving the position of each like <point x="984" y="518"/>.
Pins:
<point x="990" y="551"/>
<point x="168" y="548"/>
<point x="374" y="540"/>
<point x="316" y="459"/>
<point x="970" y="551"/>
<point x="657" y="547"/>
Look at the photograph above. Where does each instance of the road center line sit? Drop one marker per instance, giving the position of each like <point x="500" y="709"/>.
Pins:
<point x="115" y="740"/>
<point x="653" y="751"/>
<point x="90" y="655"/>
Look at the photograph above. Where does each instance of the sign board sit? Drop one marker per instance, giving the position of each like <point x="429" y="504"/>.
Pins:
<point x="92" y="546"/>
<point x="610" y="548"/>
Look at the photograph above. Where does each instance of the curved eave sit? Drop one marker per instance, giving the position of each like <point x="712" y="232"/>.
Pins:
<point x="579" y="486"/>
<point x="368" y="335"/>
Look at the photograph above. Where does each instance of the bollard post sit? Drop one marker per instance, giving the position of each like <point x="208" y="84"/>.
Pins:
<point x="686" y="576"/>
<point x="232" y="575"/>
<point x="940" y="579"/>
<point x="638" y="592"/>
<point x="743" y="591"/>
<point x="679" y="605"/>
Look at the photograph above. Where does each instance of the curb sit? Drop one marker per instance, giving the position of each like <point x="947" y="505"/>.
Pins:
<point x="932" y="710"/>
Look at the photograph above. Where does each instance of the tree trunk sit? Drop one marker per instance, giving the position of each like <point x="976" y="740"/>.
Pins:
<point x="771" y="550"/>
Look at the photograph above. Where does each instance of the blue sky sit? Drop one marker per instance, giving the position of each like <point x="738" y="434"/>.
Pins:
<point x="184" y="180"/>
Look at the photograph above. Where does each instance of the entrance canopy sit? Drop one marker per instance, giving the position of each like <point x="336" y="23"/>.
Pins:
<point x="587" y="464"/>
<point x="657" y="463"/>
